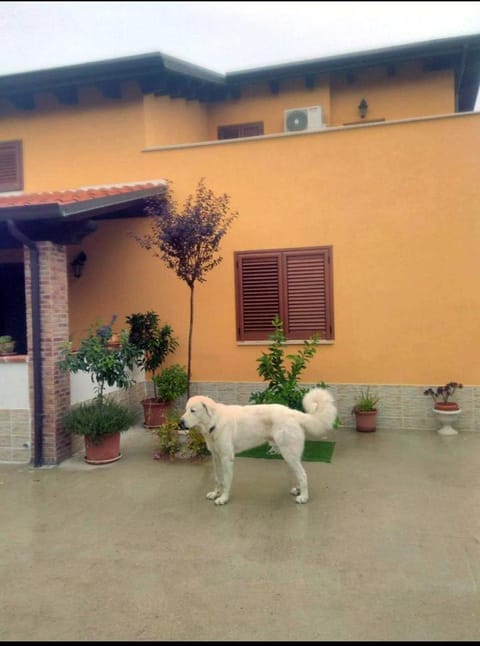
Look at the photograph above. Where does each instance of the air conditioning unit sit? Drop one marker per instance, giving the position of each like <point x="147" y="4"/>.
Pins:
<point x="303" y="119"/>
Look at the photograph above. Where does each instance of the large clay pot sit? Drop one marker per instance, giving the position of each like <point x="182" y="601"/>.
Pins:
<point x="107" y="451"/>
<point x="154" y="412"/>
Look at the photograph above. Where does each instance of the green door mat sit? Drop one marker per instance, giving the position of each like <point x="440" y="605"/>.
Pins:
<point x="314" y="451"/>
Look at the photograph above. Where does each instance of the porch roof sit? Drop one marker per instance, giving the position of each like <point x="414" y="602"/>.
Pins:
<point x="67" y="216"/>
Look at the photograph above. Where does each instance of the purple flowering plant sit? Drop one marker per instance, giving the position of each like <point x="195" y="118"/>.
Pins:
<point x="443" y="393"/>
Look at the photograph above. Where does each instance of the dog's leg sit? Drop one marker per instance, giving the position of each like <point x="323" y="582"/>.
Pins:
<point x="227" y="469"/>
<point x="292" y="454"/>
<point x="217" y="471"/>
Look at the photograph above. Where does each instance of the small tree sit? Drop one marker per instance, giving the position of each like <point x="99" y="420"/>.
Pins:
<point x="188" y="239"/>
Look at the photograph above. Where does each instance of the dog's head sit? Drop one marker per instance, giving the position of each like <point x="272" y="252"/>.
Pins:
<point x="199" y="411"/>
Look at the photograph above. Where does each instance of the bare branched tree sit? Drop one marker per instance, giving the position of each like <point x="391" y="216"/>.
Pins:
<point x="188" y="239"/>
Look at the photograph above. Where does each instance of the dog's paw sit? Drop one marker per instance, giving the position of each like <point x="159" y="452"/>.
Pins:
<point x="211" y="495"/>
<point x="222" y="500"/>
<point x="300" y="499"/>
<point x="295" y="491"/>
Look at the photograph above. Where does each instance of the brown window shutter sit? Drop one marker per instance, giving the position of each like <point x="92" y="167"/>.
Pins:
<point x="296" y="284"/>
<point x="307" y="294"/>
<point x="258" y="294"/>
<point x="11" y="171"/>
<point x="238" y="130"/>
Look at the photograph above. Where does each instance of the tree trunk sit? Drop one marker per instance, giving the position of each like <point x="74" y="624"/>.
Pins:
<point x="190" y="333"/>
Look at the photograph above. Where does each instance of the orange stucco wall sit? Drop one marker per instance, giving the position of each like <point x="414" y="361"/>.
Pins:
<point x="408" y="93"/>
<point x="174" y="121"/>
<point x="399" y="205"/>
<point x="398" y="202"/>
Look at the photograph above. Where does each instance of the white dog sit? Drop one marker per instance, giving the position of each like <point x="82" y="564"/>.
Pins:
<point x="231" y="429"/>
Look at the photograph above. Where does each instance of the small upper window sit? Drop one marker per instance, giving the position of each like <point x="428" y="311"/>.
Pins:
<point x="11" y="167"/>
<point x="239" y="130"/>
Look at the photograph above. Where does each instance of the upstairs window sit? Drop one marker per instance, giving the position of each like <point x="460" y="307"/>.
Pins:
<point x="11" y="166"/>
<point x="239" y="130"/>
<point x="295" y="284"/>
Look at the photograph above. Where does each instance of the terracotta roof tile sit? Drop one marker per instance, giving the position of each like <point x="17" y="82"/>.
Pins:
<point x="75" y="195"/>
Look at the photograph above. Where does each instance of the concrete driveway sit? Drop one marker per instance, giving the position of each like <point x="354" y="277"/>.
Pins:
<point x="388" y="548"/>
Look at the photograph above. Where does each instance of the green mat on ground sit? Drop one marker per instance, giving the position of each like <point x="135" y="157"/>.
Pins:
<point x="314" y="451"/>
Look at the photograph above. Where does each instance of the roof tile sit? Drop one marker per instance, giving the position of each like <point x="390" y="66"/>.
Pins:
<point x="69" y="196"/>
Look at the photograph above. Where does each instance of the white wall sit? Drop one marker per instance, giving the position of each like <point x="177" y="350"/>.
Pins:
<point x="14" y="386"/>
<point x="81" y="386"/>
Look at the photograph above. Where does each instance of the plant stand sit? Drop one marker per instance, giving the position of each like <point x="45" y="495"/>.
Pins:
<point x="446" y="418"/>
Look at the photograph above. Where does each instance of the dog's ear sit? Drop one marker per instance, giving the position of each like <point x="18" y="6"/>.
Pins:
<point x="208" y="410"/>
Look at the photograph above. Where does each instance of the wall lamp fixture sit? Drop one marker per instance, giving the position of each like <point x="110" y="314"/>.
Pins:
<point x="77" y="264"/>
<point x="362" y="108"/>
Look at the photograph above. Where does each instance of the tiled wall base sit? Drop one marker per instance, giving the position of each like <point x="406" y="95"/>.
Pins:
<point x="15" y="440"/>
<point x="401" y="408"/>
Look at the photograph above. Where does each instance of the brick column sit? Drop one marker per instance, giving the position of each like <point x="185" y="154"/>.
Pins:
<point x="57" y="444"/>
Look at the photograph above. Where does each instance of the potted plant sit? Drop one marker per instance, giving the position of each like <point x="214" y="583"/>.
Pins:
<point x="155" y="342"/>
<point x="365" y="411"/>
<point x="175" y="442"/>
<point x="7" y="344"/>
<point x="441" y="396"/>
<point x="102" y="419"/>
<point x="169" y="384"/>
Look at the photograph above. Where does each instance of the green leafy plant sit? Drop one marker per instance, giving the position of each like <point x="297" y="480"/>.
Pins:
<point x="196" y="443"/>
<point x="106" y="365"/>
<point x="7" y="344"/>
<point x="443" y="393"/>
<point x="167" y="433"/>
<point x="169" y="443"/>
<point x="366" y="401"/>
<point x="171" y="383"/>
<point x="155" y="341"/>
<point x="95" y="419"/>
<point x="283" y="386"/>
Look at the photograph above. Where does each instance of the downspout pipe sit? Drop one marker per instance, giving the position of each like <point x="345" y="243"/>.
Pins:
<point x="36" y="340"/>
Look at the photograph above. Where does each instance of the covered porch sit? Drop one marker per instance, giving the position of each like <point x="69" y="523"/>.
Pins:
<point x="38" y="235"/>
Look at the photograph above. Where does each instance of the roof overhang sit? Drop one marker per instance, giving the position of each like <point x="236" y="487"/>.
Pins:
<point x="72" y="215"/>
<point x="159" y="74"/>
<point x="460" y="53"/>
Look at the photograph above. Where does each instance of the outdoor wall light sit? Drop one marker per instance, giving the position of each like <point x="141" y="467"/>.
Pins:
<point x="362" y="108"/>
<point x="77" y="264"/>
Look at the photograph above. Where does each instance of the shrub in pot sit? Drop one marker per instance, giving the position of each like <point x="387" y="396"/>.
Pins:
<point x="169" y="384"/>
<point x="101" y="420"/>
<point x="441" y="396"/>
<point x="155" y="342"/>
<point x="7" y="344"/>
<point x="174" y="442"/>
<point x="365" y="411"/>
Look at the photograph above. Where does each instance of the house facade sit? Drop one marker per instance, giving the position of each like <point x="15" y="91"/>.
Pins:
<point x="356" y="183"/>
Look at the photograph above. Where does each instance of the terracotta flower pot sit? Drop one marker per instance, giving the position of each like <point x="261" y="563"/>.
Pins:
<point x="446" y="406"/>
<point x="107" y="451"/>
<point x="366" y="421"/>
<point x="154" y="412"/>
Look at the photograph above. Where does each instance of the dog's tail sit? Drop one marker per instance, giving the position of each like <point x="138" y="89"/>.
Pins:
<point x="321" y="411"/>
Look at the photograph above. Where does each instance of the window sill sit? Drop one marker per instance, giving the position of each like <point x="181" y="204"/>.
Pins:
<point x="289" y="342"/>
<point x="13" y="358"/>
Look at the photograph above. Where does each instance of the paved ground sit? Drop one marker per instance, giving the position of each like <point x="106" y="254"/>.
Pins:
<point x="388" y="548"/>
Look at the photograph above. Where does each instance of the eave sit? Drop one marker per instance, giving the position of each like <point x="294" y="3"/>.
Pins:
<point x="159" y="74"/>
<point x="72" y="215"/>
